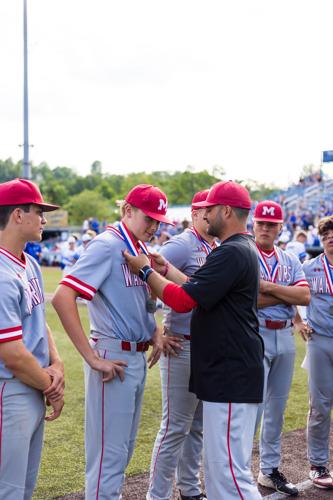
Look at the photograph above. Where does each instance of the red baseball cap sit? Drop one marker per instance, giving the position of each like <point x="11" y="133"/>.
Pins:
<point x="268" y="211"/>
<point x="151" y="200"/>
<point x="227" y="193"/>
<point x="23" y="192"/>
<point x="198" y="197"/>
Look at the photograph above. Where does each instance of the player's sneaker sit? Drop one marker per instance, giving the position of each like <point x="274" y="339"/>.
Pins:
<point x="277" y="481"/>
<point x="202" y="496"/>
<point x="321" y="477"/>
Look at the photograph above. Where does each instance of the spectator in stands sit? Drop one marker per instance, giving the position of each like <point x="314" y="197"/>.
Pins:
<point x="34" y="249"/>
<point x="69" y="255"/>
<point x="297" y="245"/>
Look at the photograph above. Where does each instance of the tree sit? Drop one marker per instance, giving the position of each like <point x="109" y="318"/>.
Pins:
<point x="87" y="204"/>
<point x="96" y="168"/>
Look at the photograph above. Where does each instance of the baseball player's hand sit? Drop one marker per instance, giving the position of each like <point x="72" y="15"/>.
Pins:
<point x="57" y="407"/>
<point x="136" y="262"/>
<point x="304" y="329"/>
<point x="171" y="345"/>
<point x="57" y="388"/>
<point x="110" y="369"/>
<point x="157" y="343"/>
<point x="158" y="262"/>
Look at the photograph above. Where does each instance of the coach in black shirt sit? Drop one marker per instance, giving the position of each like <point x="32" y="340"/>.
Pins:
<point x="226" y="349"/>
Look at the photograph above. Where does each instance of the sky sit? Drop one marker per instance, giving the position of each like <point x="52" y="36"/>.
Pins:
<point x="144" y="85"/>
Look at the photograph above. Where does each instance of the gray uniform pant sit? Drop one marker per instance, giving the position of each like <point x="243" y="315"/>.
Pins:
<point x="228" y="440"/>
<point x="178" y="444"/>
<point x="112" y="417"/>
<point x="320" y="369"/>
<point x="22" y="411"/>
<point x="279" y="367"/>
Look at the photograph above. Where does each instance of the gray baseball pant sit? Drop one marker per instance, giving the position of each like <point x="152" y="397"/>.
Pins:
<point x="320" y="374"/>
<point x="178" y="444"/>
<point x="279" y="368"/>
<point x="112" y="417"/>
<point x="22" y="410"/>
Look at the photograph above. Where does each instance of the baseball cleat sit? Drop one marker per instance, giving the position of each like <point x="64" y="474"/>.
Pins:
<point x="277" y="481"/>
<point x="202" y="496"/>
<point x="321" y="477"/>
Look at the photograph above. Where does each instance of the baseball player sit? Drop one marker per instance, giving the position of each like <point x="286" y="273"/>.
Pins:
<point x="122" y="325"/>
<point x="30" y="367"/>
<point x="178" y="445"/>
<point x="318" y="331"/>
<point x="227" y="371"/>
<point x="282" y="287"/>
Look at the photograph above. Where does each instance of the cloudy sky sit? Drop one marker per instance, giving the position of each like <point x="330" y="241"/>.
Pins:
<point x="159" y="85"/>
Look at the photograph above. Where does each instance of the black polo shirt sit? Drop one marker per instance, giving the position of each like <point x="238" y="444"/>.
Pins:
<point x="226" y="348"/>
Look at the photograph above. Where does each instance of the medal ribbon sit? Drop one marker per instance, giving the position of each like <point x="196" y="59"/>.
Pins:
<point x="130" y="242"/>
<point x="271" y="275"/>
<point x="328" y="272"/>
<point x="207" y="248"/>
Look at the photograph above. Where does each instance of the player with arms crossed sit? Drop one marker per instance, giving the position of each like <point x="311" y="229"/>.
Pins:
<point x="122" y="325"/>
<point x="30" y="367"/>
<point x="178" y="445"/>
<point x="318" y="331"/>
<point x="282" y="287"/>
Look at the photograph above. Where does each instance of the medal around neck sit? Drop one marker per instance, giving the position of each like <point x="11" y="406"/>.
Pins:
<point x="151" y="305"/>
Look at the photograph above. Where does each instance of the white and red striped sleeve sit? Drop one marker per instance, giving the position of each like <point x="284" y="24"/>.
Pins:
<point x="301" y="283"/>
<point x="86" y="291"/>
<point x="92" y="268"/>
<point x="11" y="333"/>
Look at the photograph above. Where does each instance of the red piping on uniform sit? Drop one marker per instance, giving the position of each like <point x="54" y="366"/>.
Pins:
<point x="1" y="408"/>
<point x="77" y="289"/>
<point x="102" y="452"/>
<point x="167" y="424"/>
<point x="229" y="453"/>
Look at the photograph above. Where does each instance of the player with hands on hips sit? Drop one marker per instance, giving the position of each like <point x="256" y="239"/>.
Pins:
<point x="282" y="287"/>
<point x="122" y="326"/>
<point x="31" y="371"/>
<point x="178" y="444"/>
<point x="318" y="331"/>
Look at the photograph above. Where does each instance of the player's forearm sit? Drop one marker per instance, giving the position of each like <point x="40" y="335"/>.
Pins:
<point x="266" y="300"/>
<point x="64" y="302"/>
<point x="24" y="366"/>
<point x="54" y="354"/>
<point x="292" y="295"/>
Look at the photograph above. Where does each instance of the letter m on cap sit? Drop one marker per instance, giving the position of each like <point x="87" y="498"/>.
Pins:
<point x="268" y="210"/>
<point x="163" y="205"/>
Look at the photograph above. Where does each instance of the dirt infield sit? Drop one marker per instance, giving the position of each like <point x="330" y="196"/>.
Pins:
<point x="294" y="466"/>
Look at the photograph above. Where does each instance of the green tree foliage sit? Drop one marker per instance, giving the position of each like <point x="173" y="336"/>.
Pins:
<point x="88" y="204"/>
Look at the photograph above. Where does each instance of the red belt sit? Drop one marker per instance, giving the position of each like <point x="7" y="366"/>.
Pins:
<point x="140" y="346"/>
<point x="187" y="337"/>
<point x="275" y="325"/>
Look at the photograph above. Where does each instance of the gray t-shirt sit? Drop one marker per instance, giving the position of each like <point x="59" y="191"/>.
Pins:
<point x="116" y="297"/>
<point x="320" y="310"/>
<point x="187" y="254"/>
<point x="289" y="272"/>
<point x="22" y="307"/>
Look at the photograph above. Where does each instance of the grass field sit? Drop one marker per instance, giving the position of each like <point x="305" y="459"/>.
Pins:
<point x="62" y="469"/>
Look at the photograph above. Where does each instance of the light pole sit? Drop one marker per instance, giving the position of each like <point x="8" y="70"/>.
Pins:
<point x="26" y="162"/>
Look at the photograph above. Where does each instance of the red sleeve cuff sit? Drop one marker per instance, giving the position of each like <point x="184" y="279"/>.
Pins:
<point x="86" y="291"/>
<point x="175" y="297"/>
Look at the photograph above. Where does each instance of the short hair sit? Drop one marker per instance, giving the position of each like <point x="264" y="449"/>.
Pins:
<point x="122" y="206"/>
<point x="241" y="213"/>
<point x="325" y="224"/>
<point x="6" y="211"/>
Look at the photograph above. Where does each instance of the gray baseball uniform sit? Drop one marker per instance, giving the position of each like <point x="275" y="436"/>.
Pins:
<point x="178" y="445"/>
<point x="275" y="327"/>
<point x="22" y="408"/>
<point x="120" y="329"/>
<point x="320" y="358"/>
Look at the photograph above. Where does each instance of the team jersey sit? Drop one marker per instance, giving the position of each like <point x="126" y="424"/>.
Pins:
<point x="187" y="253"/>
<point x="283" y="268"/>
<point x="116" y="297"/>
<point x="320" y="310"/>
<point x="22" y="307"/>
